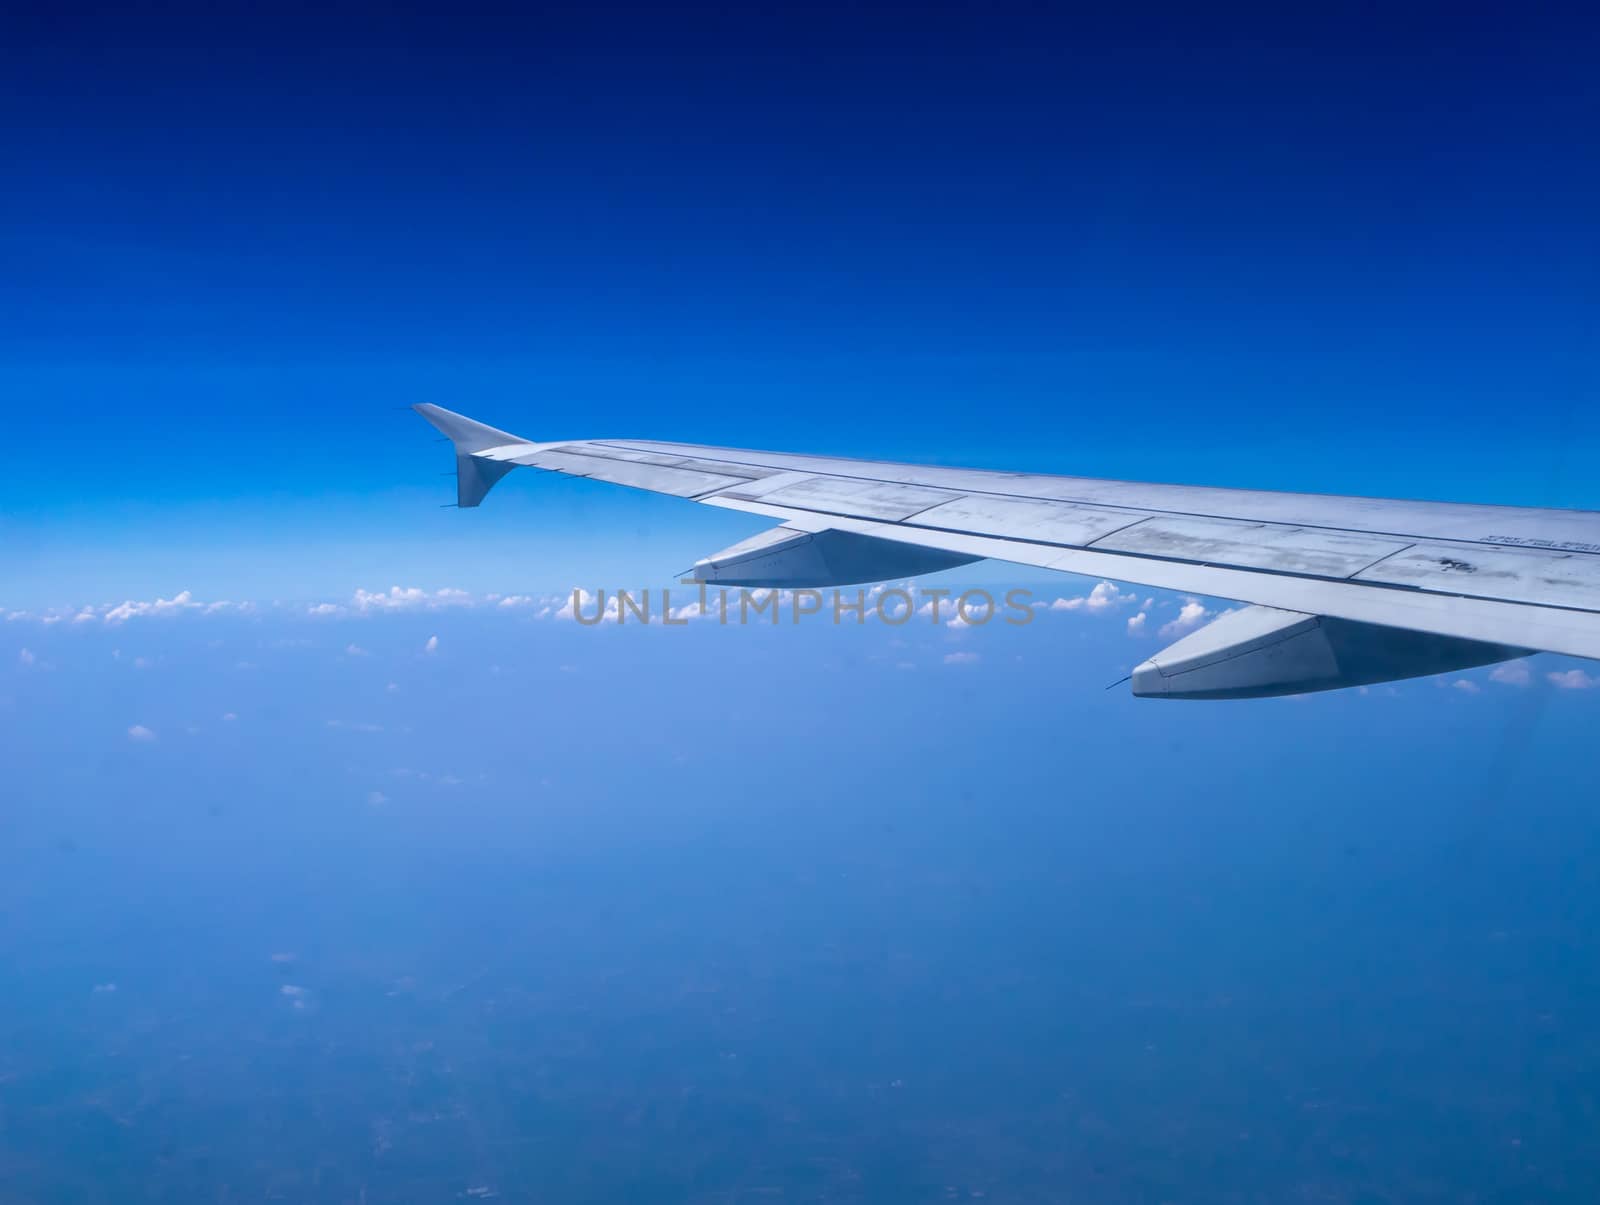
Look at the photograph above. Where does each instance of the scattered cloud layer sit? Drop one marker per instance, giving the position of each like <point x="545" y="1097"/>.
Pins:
<point x="898" y="603"/>
<point x="1166" y="616"/>
<point x="181" y="603"/>
<point x="886" y="600"/>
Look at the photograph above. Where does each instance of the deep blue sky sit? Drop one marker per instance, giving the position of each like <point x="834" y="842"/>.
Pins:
<point x="1351" y="251"/>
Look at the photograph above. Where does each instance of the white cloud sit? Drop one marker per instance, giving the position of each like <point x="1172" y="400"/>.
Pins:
<point x="299" y="997"/>
<point x="104" y="989"/>
<point x="376" y="799"/>
<point x="1572" y="679"/>
<point x="180" y="603"/>
<point x="409" y="598"/>
<point x="586" y="603"/>
<point x="432" y="646"/>
<point x="140" y="733"/>
<point x="398" y="598"/>
<point x="693" y="610"/>
<point x="26" y="657"/>
<point x="1190" y="616"/>
<point x="1104" y="597"/>
<point x="228" y="717"/>
<point x="1136" y="623"/>
<point x="1512" y="673"/>
<point x="1466" y="686"/>
<point x="961" y="658"/>
<point x="355" y="650"/>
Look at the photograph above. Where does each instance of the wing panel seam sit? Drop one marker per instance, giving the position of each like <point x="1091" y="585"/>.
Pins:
<point x="1156" y="512"/>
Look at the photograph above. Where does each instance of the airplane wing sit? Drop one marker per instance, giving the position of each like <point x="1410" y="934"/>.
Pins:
<point x="1343" y="591"/>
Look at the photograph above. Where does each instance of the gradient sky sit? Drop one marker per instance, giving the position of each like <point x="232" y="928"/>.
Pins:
<point x="1351" y="251"/>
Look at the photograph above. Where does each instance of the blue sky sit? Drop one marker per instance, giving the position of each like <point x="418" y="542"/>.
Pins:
<point x="1333" y="252"/>
<point x="333" y="858"/>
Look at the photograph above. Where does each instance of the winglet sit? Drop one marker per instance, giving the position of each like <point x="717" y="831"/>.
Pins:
<point x="467" y="435"/>
<point x="475" y="475"/>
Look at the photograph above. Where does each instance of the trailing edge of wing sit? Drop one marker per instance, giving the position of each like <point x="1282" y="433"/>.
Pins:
<point x="1492" y="621"/>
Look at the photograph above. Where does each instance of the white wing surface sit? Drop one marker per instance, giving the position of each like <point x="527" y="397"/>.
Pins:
<point x="1346" y="590"/>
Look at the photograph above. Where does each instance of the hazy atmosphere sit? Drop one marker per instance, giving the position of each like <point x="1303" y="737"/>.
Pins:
<point x="430" y="896"/>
